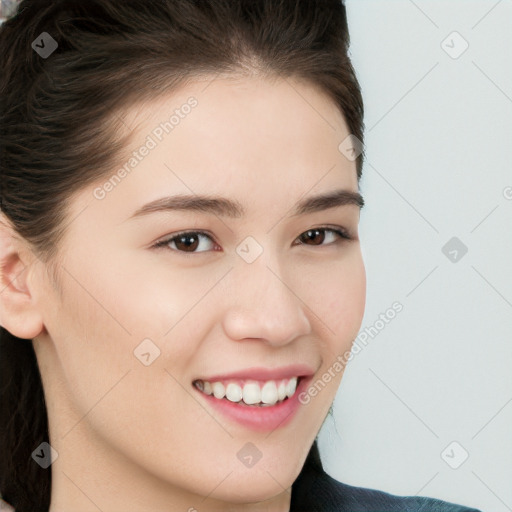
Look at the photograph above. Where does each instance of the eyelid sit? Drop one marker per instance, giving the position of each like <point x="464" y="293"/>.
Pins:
<point x="342" y="232"/>
<point x="161" y="244"/>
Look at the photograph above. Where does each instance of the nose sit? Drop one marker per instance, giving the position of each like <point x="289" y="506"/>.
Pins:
<point x="263" y="304"/>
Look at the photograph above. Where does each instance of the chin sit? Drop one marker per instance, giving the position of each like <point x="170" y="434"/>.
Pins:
<point x="252" y="489"/>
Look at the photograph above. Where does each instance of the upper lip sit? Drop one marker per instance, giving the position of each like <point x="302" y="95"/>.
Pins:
<point x="262" y="373"/>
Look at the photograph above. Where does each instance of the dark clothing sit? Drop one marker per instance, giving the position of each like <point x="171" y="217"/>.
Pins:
<point x="315" y="491"/>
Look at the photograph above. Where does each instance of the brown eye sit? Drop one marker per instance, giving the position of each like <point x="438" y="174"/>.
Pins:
<point x="187" y="242"/>
<point x="317" y="236"/>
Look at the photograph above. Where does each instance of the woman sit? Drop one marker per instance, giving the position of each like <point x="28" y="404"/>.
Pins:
<point x="179" y="253"/>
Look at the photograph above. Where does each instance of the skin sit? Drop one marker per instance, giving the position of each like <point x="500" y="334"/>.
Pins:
<point x="135" y="437"/>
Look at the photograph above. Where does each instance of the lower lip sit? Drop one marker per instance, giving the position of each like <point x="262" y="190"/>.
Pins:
<point x="261" y="419"/>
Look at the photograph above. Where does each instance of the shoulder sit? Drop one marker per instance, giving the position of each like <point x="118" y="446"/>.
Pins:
<point x="318" y="492"/>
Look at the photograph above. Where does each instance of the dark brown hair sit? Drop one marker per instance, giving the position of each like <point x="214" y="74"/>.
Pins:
<point x="61" y="130"/>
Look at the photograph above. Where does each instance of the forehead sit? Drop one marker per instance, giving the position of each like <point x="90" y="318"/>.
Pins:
<point x="239" y="127"/>
<point x="262" y="143"/>
<point x="243" y="99"/>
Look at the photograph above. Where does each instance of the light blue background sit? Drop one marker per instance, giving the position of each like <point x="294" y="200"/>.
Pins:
<point x="439" y="157"/>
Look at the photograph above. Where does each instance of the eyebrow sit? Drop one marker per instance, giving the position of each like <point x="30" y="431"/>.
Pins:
<point x="224" y="207"/>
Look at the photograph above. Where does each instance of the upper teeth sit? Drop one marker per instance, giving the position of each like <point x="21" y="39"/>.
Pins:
<point x="251" y="392"/>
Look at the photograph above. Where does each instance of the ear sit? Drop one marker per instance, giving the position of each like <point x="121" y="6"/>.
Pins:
<point x="18" y="311"/>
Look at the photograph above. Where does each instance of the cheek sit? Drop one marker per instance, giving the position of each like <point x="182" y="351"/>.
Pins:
<point x="92" y="325"/>
<point x="154" y="297"/>
<point x="93" y="341"/>
<point x="103" y="381"/>
<point x="339" y="297"/>
<point x="338" y="293"/>
<point x="108" y="320"/>
<point x="347" y="301"/>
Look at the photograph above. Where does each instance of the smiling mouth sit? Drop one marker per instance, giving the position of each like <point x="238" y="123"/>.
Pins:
<point x="250" y="392"/>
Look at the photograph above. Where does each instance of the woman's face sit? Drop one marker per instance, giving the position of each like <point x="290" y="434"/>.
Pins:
<point x="132" y="326"/>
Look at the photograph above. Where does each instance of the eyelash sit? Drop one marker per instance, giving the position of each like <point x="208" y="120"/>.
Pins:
<point x="164" y="243"/>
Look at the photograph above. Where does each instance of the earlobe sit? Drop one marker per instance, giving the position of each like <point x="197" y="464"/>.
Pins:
<point x="18" y="311"/>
